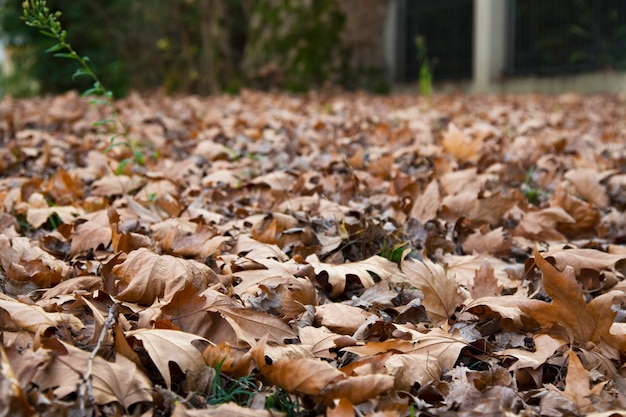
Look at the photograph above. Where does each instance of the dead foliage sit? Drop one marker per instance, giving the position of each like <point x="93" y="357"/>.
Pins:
<point x="378" y="254"/>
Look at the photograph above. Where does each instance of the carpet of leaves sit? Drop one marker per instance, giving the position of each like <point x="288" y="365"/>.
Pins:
<point x="355" y="254"/>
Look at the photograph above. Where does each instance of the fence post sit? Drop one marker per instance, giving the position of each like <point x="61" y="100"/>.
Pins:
<point x="489" y="54"/>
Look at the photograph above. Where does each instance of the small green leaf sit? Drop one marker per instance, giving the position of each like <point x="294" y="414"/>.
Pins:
<point x="139" y="156"/>
<point x="103" y="122"/>
<point x="69" y="55"/>
<point x="45" y="32"/>
<point x="89" y="92"/>
<point x="121" y="166"/>
<point x="81" y="72"/>
<point x="56" y="47"/>
<point x="114" y="145"/>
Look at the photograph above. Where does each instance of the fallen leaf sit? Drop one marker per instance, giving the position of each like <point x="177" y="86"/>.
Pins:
<point x="441" y="294"/>
<point x="165" y="346"/>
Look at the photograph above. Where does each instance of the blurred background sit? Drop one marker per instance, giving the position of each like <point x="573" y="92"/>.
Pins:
<point x="220" y="46"/>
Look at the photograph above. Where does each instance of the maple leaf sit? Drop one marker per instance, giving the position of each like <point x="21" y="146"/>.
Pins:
<point x="458" y="144"/>
<point x="582" y="322"/>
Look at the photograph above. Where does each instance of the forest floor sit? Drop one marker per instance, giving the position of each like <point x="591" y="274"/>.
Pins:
<point x="318" y="254"/>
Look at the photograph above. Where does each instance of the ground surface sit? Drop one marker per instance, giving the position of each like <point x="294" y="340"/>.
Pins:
<point x="325" y="253"/>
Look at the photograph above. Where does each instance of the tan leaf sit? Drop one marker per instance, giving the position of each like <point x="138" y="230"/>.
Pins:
<point x="542" y="225"/>
<point x="409" y="369"/>
<point x="485" y="241"/>
<point x="341" y="318"/>
<point x="568" y="310"/>
<point x="427" y="204"/>
<point x="580" y="259"/>
<point x="485" y="282"/>
<point x="577" y="385"/>
<point x="503" y="309"/>
<point x="586" y="216"/>
<point x="91" y="232"/>
<point x="336" y="275"/>
<point x="441" y="294"/>
<point x="358" y="389"/>
<point x="545" y="347"/>
<point x="38" y="216"/>
<point x="305" y="376"/>
<point x="118" y="381"/>
<point x="587" y="185"/>
<point x="34" y="319"/>
<point x="250" y="325"/>
<point x="457" y="143"/>
<point x="222" y="410"/>
<point x="165" y="346"/>
<point x="111" y="185"/>
<point x="437" y="344"/>
<point x="465" y="267"/>
<point x="145" y="276"/>
<point x="320" y="340"/>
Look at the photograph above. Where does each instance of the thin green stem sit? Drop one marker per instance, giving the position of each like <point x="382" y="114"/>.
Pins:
<point x="38" y="15"/>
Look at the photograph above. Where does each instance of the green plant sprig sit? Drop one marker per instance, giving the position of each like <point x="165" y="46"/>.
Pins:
<point x="38" y="15"/>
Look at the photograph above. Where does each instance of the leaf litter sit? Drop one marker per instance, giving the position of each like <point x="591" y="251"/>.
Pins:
<point x="344" y="252"/>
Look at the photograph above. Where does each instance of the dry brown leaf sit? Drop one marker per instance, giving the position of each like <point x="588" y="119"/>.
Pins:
<point x="568" y="311"/>
<point x="457" y="143"/>
<point x="542" y="225"/>
<point x="437" y="344"/>
<point x="504" y="309"/>
<point x="410" y="369"/>
<point x="441" y="293"/>
<point x="485" y="282"/>
<point x="577" y="385"/>
<point x="118" y="381"/>
<point x="223" y="410"/>
<point x="145" y="277"/>
<point x="427" y="204"/>
<point x="13" y="399"/>
<point x="485" y="241"/>
<point x="250" y="325"/>
<point x="36" y="217"/>
<point x="165" y="346"/>
<point x="361" y="271"/>
<point x="34" y="319"/>
<point x="358" y="389"/>
<point x="320" y="340"/>
<point x="90" y="232"/>
<point x="580" y="259"/>
<point x="587" y="185"/>
<point x="305" y="376"/>
<point x="341" y="318"/>
<point x="586" y="215"/>
<point x="545" y="347"/>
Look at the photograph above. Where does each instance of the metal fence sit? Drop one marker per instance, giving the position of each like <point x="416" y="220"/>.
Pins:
<point x="566" y="36"/>
<point x="447" y="27"/>
<point x="545" y="37"/>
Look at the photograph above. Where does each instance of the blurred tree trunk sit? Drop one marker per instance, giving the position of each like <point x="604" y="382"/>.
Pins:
<point x="216" y="59"/>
